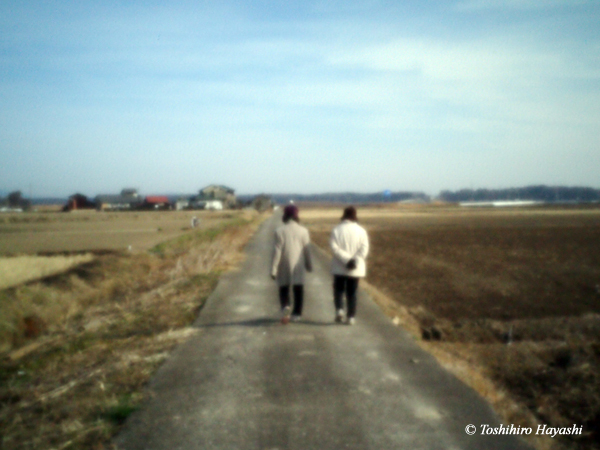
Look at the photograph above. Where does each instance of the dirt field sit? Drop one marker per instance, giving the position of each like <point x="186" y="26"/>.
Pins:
<point x="483" y="264"/>
<point x="473" y="281"/>
<point x="78" y="231"/>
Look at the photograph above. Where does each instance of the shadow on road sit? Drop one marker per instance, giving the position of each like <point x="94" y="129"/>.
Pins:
<point x="265" y="322"/>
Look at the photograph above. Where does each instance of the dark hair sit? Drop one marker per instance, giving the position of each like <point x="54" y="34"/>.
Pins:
<point x="350" y="214"/>
<point x="290" y="212"/>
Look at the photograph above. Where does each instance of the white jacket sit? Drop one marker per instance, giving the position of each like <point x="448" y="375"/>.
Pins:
<point x="349" y="241"/>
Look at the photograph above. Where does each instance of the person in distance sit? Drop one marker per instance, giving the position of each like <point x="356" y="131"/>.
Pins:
<point x="291" y="260"/>
<point x="349" y="243"/>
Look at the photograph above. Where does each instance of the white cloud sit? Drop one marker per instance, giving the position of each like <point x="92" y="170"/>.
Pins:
<point x="454" y="61"/>
<point x="476" y="5"/>
<point x="487" y="73"/>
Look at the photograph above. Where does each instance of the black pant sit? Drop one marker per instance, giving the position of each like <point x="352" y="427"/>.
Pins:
<point x="348" y="285"/>
<point x="284" y="298"/>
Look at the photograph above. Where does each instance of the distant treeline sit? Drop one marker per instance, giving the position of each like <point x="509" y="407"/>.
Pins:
<point x="48" y="201"/>
<point x="350" y="197"/>
<point x="542" y="193"/>
<point x="538" y="193"/>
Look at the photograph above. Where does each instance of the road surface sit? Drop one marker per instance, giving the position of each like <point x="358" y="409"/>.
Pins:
<point x="245" y="381"/>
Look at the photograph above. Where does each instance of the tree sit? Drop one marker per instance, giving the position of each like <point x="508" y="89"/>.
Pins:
<point x="15" y="199"/>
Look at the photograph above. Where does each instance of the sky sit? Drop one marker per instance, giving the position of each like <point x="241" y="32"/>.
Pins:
<point x="298" y="96"/>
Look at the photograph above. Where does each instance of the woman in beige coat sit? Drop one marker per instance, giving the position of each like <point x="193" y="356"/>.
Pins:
<point x="291" y="259"/>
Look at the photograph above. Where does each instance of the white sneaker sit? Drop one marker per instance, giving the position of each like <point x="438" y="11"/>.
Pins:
<point x="339" y="316"/>
<point x="285" y="314"/>
<point x="296" y="318"/>
<point x="351" y="321"/>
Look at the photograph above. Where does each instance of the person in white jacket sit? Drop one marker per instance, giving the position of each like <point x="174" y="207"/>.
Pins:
<point x="350" y="246"/>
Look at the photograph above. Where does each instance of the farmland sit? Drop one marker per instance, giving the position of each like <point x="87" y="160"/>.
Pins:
<point x="80" y="231"/>
<point x="507" y="299"/>
<point x="38" y="245"/>
<point x="116" y="292"/>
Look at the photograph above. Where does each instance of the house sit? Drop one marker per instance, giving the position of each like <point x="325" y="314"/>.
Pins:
<point x="78" y="201"/>
<point x="218" y="192"/>
<point x="156" y="202"/>
<point x="214" y="197"/>
<point x="182" y="203"/>
<point x="262" y="203"/>
<point x="127" y="200"/>
<point x="130" y="193"/>
<point x="214" y="205"/>
<point x="199" y="203"/>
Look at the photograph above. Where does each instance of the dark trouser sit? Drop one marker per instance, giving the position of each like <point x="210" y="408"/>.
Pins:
<point x="348" y="285"/>
<point x="284" y="298"/>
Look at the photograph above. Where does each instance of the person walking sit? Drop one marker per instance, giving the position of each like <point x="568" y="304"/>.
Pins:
<point x="349" y="243"/>
<point x="291" y="259"/>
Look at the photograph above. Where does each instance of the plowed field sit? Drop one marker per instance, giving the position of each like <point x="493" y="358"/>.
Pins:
<point x="484" y="264"/>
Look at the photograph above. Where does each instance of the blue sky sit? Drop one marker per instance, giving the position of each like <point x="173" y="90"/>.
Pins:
<point x="298" y="96"/>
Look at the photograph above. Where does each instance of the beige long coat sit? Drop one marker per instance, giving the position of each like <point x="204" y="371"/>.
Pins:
<point x="291" y="255"/>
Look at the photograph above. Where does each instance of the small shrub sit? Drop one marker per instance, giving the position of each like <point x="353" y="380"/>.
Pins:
<point x="118" y="413"/>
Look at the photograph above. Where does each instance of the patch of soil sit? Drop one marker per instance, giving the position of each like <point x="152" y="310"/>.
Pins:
<point x="495" y="267"/>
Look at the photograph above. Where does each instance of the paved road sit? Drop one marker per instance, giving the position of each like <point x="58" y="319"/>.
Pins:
<point x="247" y="382"/>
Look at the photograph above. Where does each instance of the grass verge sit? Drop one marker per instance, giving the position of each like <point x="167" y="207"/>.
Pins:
<point x="17" y="270"/>
<point x="80" y="347"/>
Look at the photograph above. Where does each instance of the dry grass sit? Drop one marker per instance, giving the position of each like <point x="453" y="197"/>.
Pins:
<point x="20" y="269"/>
<point x="104" y="328"/>
<point x="508" y="300"/>
<point x="82" y="231"/>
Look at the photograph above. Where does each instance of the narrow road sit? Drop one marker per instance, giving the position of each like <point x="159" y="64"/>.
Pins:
<point x="247" y="382"/>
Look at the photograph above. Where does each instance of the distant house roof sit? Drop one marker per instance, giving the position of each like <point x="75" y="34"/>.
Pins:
<point x="109" y="198"/>
<point x="78" y="201"/>
<point x="129" y="192"/>
<point x="157" y="199"/>
<point x="78" y="195"/>
<point x="116" y="199"/>
<point x="218" y="186"/>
